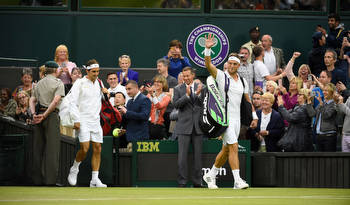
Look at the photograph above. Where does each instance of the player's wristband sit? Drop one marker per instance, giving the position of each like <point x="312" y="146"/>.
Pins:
<point x="207" y="52"/>
<point x="255" y="117"/>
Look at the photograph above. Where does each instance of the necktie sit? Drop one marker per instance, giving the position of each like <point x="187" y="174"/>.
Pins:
<point x="191" y="94"/>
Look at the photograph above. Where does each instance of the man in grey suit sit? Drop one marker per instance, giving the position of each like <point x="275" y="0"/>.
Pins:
<point x="188" y="99"/>
<point x="273" y="58"/>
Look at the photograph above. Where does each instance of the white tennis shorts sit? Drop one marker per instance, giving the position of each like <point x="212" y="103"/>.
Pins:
<point x="232" y="132"/>
<point x="95" y="135"/>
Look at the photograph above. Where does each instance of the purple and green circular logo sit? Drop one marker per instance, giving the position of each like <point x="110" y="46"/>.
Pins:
<point x="196" y="45"/>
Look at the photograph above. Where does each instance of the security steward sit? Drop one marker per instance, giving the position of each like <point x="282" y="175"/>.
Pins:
<point x="46" y="130"/>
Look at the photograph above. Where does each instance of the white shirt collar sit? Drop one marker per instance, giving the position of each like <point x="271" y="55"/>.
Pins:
<point x="138" y="93"/>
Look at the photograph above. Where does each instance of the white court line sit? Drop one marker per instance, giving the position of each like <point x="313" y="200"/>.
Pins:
<point x="182" y="198"/>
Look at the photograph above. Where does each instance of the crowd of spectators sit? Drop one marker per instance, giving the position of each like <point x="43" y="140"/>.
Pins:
<point x="298" y="111"/>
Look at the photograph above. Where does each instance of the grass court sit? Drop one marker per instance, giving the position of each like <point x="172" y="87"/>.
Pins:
<point x="171" y="196"/>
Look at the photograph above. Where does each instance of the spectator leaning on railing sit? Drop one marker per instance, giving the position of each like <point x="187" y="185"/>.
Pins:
<point x="27" y="82"/>
<point x="7" y="106"/>
<point x="22" y="111"/>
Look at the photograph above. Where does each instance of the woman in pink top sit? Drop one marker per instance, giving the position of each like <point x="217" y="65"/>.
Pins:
<point x="290" y="98"/>
<point x="65" y="66"/>
<point x="160" y="100"/>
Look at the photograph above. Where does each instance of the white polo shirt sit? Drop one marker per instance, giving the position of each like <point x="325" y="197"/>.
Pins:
<point x="234" y="94"/>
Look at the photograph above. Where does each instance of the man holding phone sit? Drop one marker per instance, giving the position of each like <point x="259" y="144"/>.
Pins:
<point x="336" y="32"/>
<point x="177" y="61"/>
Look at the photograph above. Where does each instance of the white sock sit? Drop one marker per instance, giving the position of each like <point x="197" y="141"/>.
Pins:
<point x="214" y="171"/>
<point x="76" y="165"/>
<point x="94" y="175"/>
<point x="236" y="176"/>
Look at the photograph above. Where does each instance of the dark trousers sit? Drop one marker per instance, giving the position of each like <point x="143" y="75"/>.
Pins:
<point x="166" y="117"/>
<point x="326" y="142"/>
<point x="156" y="132"/>
<point x="46" y="150"/>
<point x="183" y="146"/>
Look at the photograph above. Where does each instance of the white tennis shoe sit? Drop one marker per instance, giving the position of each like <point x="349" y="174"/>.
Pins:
<point x="211" y="181"/>
<point x="241" y="184"/>
<point x="97" y="183"/>
<point x="72" y="177"/>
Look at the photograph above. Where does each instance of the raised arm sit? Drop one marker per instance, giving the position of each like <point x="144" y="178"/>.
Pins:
<point x="209" y="42"/>
<point x="289" y="67"/>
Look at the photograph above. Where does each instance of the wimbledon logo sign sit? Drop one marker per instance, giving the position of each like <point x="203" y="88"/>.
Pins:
<point x="196" y="45"/>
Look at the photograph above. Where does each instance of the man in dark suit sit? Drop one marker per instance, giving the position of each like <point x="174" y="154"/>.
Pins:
<point x="136" y="113"/>
<point x="188" y="99"/>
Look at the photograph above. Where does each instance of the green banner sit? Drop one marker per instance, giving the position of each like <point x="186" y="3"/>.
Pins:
<point x="148" y="155"/>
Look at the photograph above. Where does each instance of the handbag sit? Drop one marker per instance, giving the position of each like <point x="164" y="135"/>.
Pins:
<point x="110" y="117"/>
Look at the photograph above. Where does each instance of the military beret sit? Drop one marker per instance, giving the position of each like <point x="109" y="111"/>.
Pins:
<point x="51" y="64"/>
<point x="256" y="28"/>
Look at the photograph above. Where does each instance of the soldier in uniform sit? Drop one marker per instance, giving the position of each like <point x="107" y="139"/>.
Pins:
<point x="46" y="140"/>
<point x="254" y="34"/>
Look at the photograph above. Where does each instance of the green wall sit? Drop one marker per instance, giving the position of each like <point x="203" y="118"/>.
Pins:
<point x="143" y="36"/>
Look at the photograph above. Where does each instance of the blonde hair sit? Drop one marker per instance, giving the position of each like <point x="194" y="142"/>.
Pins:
<point x="307" y="67"/>
<point x="298" y="81"/>
<point x="162" y="80"/>
<point x="23" y="93"/>
<point x="124" y="56"/>
<point x="272" y="83"/>
<point x="42" y="71"/>
<point x="269" y="96"/>
<point x="305" y="92"/>
<point x="332" y="88"/>
<point x="60" y="47"/>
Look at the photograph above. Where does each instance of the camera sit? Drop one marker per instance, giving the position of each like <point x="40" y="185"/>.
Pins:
<point x="309" y="77"/>
<point x="147" y="83"/>
<point x="63" y="65"/>
<point x="240" y="55"/>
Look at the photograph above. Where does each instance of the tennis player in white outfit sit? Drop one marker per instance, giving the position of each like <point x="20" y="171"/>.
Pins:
<point x="86" y="106"/>
<point x="229" y="149"/>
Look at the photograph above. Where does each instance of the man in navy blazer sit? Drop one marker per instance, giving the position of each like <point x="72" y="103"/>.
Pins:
<point x="188" y="99"/>
<point x="126" y="73"/>
<point x="136" y="113"/>
<point x="274" y="132"/>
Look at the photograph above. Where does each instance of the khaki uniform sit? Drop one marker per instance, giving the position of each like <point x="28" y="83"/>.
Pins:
<point x="250" y="45"/>
<point x="46" y="140"/>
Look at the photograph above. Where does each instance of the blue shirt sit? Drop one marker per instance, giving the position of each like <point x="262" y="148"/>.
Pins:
<point x="318" y="126"/>
<point x="176" y="65"/>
